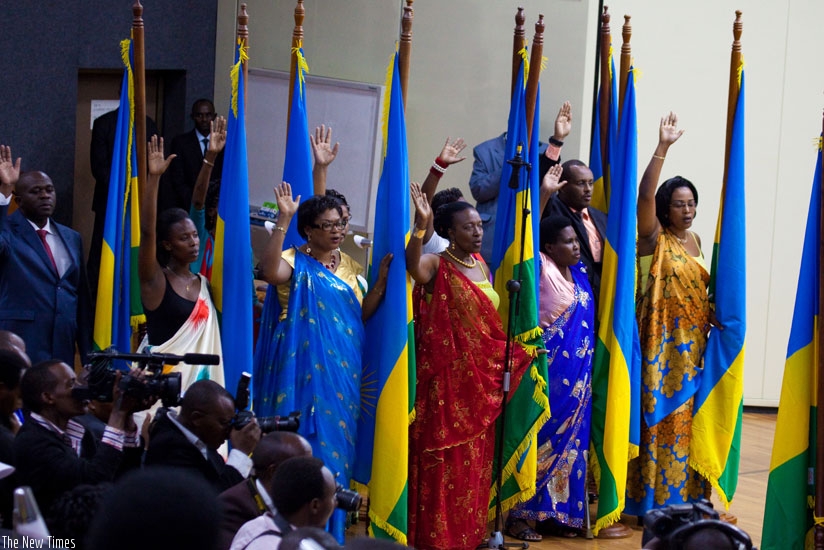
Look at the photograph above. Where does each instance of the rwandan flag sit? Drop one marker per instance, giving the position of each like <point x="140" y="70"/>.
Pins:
<point x="715" y="447"/>
<point x="388" y="377"/>
<point x="616" y="389"/>
<point x="601" y="166"/>
<point x="297" y="166"/>
<point x="528" y="407"/>
<point x="297" y="171"/>
<point x="119" y="308"/>
<point x="232" y="267"/>
<point x="788" y="514"/>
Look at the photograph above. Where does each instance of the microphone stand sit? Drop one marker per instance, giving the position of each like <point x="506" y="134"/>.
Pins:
<point x="513" y="287"/>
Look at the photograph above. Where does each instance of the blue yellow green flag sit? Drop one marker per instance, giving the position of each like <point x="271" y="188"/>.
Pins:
<point x="119" y="308"/>
<point x="788" y="513"/>
<point x="715" y="446"/>
<point x="514" y="257"/>
<point x="616" y="386"/>
<point x="232" y="267"/>
<point x="388" y="378"/>
<point x="599" y="164"/>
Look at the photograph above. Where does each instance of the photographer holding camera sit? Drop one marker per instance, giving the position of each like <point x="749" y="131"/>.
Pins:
<point x="52" y="452"/>
<point x="190" y="439"/>
<point x="304" y="494"/>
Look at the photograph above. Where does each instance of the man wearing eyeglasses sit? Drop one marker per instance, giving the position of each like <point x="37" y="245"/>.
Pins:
<point x="190" y="148"/>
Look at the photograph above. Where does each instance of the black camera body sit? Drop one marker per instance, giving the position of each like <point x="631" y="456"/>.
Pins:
<point x="346" y="499"/>
<point x="154" y="385"/>
<point x="673" y="525"/>
<point x="268" y="424"/>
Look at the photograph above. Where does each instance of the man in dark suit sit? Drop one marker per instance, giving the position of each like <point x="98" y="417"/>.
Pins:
<point x="44" y="293"/>
<point x="189" y="440"/>
<point x="52" y="453"/>
<point x="250" y="498"/>
<point x="100" y="157"/>
<point x="572" y="202"/>
<point x="176" y="190"/>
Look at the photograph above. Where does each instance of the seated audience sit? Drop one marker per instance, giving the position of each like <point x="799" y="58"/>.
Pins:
<point x="72" y="513"/>
<point x="189" y="439"/>
<point x="250" y="498"/>
<point x="303" y="494"/>
<point x="52" y="452"/>
<point x="157" y="509"/>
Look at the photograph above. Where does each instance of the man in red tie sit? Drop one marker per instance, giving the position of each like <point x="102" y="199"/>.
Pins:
<point x="44" y="294"/>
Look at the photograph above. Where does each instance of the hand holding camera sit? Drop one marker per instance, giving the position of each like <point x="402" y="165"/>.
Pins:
<point x="245" y="439"/>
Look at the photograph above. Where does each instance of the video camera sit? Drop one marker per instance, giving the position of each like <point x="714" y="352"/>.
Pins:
<point x="155" y="385"/>
<point x="675" y="524"/>
<point x="267" y="424"/>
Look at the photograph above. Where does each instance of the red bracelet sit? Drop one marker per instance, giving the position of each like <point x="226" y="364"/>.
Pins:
<point x="435" y="172"/>
<point x="441" y="163"/>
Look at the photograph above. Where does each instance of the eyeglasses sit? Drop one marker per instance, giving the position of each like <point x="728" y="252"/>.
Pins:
<point x="327" y="226"/>
<point x="680" y="205"/>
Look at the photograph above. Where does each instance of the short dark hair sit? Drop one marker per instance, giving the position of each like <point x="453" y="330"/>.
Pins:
<point x="296" y="482"/>
<point x="445" y="196"/>
<point x="368" y="543"/>
<point x="664" y="195"/>
<point x="179" y="509"/>
<point x="445" y="214"/>
<point x="337" y="195"/>
<point x="11" y="366"/>
<point x="551" y="228"/>
<point x="202" y="100"/>
<point x="72" y="513"/>
<point x="202" y="395"/>
<point x="165" y="221"/>
<point x="314" y="206"/>
<point x="38" y="379"/>
<point x="566" y="173"/>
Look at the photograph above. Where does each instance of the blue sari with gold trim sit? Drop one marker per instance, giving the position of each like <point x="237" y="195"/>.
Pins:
<point x="313" y="365"/>
<point x="561" y="486"/>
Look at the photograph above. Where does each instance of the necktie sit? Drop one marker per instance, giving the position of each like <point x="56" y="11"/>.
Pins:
<point x="42" y="234"/>
<point x="205" y="142"/>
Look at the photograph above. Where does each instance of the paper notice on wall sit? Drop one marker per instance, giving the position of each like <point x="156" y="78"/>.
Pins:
<point x="101" y="107"/>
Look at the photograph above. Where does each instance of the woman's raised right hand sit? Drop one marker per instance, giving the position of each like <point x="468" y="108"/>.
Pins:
<point x="157" y="164"/>
<point x="668" y="132"/>
<point x="287" y="206"/>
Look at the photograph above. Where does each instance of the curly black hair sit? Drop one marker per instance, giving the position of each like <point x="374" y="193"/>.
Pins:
<point x="551" y="228"/>
<point x="445" y="196"/>
<point x="314" y="206"/>
<point x="445" y="214"/>
<point x="664" y="195"/>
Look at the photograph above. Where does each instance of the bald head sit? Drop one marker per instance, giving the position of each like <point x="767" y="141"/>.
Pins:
<point x="275" y="448"/>
<point x="10" y="341"/>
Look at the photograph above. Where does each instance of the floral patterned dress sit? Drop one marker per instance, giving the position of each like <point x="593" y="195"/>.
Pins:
<point x="673" y="323"/>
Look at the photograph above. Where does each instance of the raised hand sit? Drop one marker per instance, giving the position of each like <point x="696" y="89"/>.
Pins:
<point x="668" y="132"/>
<point x="451" y="151"/>
<point x="286" y="205"/>
<point x="322" y="148"/>
<point x="551" y="182"/>
<point x="157" y="163"/>
<point x="9" y="171"/>
<point x="563" y="122"/>
<point x="217" y="135"/>
<point x="423" y="211"/>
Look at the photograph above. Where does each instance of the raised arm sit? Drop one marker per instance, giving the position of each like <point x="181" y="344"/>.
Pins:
<point x="9" y="171"/>
<point x="273" y="269"/>
<point x="152" y="283"/>
<point x="550" y="185"/>
<point x="648" y="225"/>
<point x="422" y="268"/>
<point x="375" y="295"/>
<point x="217" y="141"/>
<point x="450" y="154"/>
<point x="324" y="154"/>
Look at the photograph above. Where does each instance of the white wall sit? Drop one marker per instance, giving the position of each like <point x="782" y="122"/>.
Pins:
<point x="459" y="86"/>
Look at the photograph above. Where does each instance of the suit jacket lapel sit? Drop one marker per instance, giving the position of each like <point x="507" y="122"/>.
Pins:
<point x="26" y="233"/>
<point x="73" y="253"/>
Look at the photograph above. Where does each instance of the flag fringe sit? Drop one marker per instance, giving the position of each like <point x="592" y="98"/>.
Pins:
<point x="387" y="93"/>
<point x="713" y="479"/>
<point x="542" y="400"/>
<point x="390" y="530"/>
<point x="302" y="65"/>
<point x="413" y="414"/>
<point x="607" y="520"/>
<point x="525" y="57"/>
<point x="136" y="320"/>
<point x="234" y="74"/>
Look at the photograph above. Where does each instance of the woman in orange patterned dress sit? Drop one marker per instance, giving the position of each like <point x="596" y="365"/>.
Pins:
<point x="459" y="347"/>
<point x="673" y="319"/>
